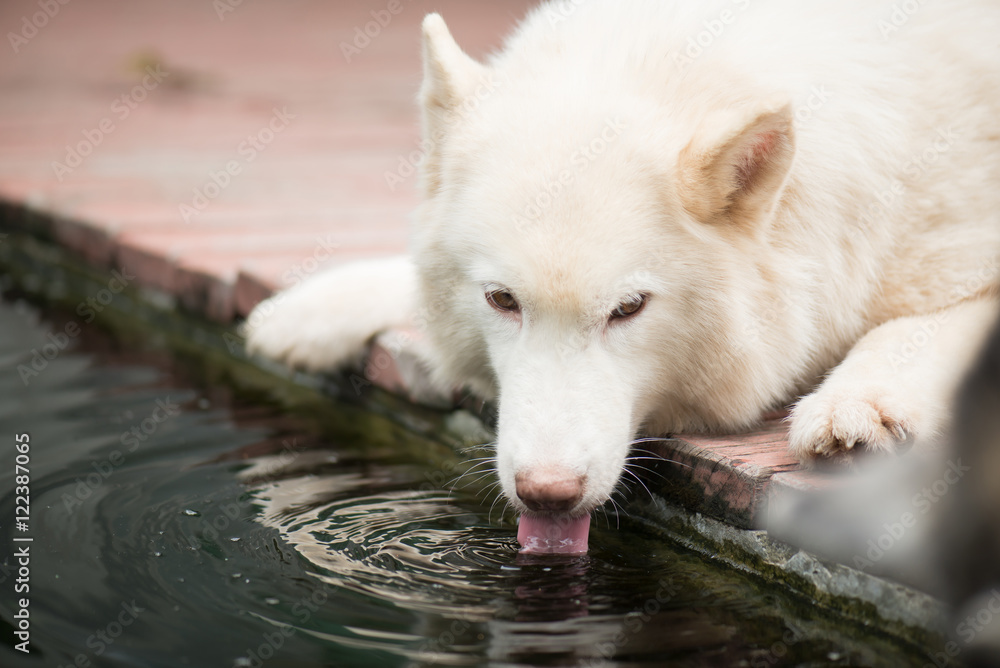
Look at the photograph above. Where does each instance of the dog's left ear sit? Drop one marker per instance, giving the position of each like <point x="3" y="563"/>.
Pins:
<point x="451" y="78"/>
<point x="735" y="167"/>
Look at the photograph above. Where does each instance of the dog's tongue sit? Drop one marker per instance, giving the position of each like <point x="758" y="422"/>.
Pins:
<point x="553" y="535"/>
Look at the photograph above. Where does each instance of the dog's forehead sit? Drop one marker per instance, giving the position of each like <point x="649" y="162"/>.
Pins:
<point x="573" y="269"/>
<point x="563" y="207"/>
<point x="533" y="186"/>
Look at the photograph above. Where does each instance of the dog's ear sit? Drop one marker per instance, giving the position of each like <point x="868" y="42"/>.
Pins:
<point x="450" y="78"/>
<point x="735" y="166"/>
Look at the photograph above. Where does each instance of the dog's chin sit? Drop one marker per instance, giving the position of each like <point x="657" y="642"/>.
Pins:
<point x="553" y="534"/>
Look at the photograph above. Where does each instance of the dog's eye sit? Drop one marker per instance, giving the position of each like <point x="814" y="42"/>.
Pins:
<point x="628" y="307"/>
<point x="503" y="300"/>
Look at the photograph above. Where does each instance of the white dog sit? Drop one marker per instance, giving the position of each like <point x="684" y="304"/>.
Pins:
<point x="654" y="216"/>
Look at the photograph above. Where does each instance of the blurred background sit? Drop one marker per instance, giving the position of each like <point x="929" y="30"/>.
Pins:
<point x="214" y="145"/>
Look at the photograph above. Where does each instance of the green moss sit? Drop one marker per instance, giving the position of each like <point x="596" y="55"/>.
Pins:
<point x="771" y="569"/>
<point x="141" y="319"/>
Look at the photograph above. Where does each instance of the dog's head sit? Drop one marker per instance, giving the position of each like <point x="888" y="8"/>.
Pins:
<point x="587" y="257"/>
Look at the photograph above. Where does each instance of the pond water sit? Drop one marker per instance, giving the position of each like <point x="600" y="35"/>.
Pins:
<point x="179" y="520"/>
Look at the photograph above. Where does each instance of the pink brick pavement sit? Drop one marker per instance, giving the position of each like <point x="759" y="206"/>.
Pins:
<point x="162" y="96"/>
<point x="145" y="103"/>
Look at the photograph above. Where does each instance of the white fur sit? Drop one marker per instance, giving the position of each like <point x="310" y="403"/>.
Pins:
<point x="327" y="320"/>
<point x="734" y="189"/>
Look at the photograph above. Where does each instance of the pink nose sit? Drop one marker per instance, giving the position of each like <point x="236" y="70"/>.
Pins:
<point x="549" y="488"/>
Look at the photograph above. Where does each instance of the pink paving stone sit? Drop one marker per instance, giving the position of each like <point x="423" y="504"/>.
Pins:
<point x="204" y="284"/>
<point x="251" y="289"/>
<point x="724" y="484"/>
<point x="805" y="480"/>
<point x="736" y="440"/>
<point x="257" y="282"/>
<point x="94" y="244"/>
<point x="774" y="458"/>
<point x="148" y="263"/>
<point x="730" y="472"/>
<point x="382" y="368"/>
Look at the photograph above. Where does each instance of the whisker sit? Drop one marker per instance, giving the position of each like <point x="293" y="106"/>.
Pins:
<point x="489" y="517"/>
<point x="642" y="451"/>
<point x="658" y="459"/>
<point x="652" y="455"/>
<point x="480" y="462"/>
<point x="508" y="506"/>
<point x="646" y="469"/>
<point x="490" y="490"/>
<point x="481" y="476"/>
<point x="621" y="491"/>
<point x="638" y="480"/>
<point x="481" y="446"/>
<point x="617" y="516"/>
<point x="604" y="511"/>
<point x="622" y="482"/>
<point x="472" y="470"/>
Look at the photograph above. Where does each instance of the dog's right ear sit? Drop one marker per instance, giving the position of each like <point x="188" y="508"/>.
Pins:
<point x="733" y="171"/>
<point x="450" y="79"/>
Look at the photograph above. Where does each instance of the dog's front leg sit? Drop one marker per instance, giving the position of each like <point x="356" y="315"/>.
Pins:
<point x="894" y="386"/>
<point x="327" y="321"/>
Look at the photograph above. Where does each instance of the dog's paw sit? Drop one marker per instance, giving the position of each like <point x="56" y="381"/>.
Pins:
<point x="841" y="425"/>
<point x="328" y="321"/>
<point x="289" y="328"/>
<point x="294" y="327"/>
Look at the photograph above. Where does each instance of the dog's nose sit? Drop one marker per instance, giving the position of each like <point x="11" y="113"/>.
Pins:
<point x="552" y="489"/>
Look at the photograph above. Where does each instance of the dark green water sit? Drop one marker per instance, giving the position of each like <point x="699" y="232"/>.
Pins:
<point x="177" y="520"/>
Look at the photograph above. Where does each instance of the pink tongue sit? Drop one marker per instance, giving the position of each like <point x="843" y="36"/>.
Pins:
<point x="553" y="535"/>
